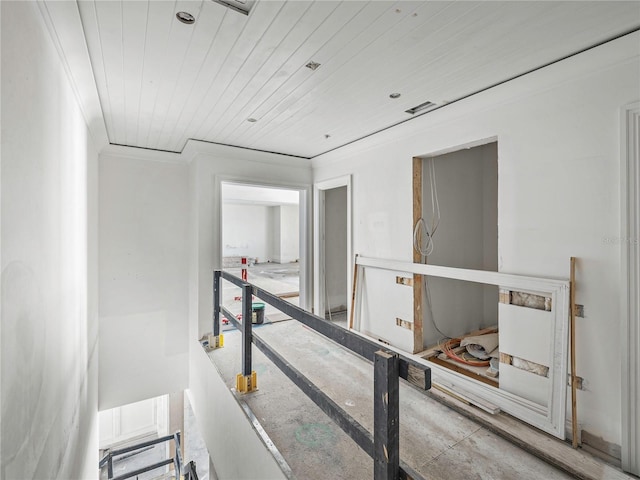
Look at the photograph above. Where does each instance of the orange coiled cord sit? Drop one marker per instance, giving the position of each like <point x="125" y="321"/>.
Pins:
<point x="452" y="343"/>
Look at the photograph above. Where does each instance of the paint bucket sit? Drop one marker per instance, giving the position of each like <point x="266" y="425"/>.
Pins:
<point x="257" y="312"/>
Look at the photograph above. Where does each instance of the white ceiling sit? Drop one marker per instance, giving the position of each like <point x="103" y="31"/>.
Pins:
<point x="161" y="82"/>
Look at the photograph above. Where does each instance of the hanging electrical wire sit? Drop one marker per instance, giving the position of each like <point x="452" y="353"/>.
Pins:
<point x="423" y="234"/>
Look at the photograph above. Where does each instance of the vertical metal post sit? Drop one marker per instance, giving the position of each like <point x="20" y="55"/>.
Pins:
<point x="386" y="416"/>
<point x="216" y="302"/>
<point x="110" y="467"/>
<point x="177" y="459"/>
<point x="246" y="329"/>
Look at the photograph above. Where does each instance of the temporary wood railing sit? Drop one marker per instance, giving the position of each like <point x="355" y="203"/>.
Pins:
<point x="389" y="367"/>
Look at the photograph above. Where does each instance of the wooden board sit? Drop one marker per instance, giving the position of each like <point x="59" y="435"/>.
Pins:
<point x="467" y="370"/>
<point x="418" y="297"/>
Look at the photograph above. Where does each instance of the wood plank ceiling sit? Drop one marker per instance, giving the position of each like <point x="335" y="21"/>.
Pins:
<point x="162" y="82"/>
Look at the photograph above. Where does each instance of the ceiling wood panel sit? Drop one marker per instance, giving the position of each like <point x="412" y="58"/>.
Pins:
<point x="197" y="58"/>
<point x="302" y="43"/>
<point x="277" y="44"/>
<point x="331" y="55"/>
<point x="92" y="37"/>
<point x="109" y="19"/>
<point x="158" y="26"/>
<point x="358" y="72"/>
<point x="227" y="27"/>
<point x="135" y="21"/>
<point x="446" y="69"/>
<point x="177" y="48"/>
<point x="161" y="82"/>
<point x="243" y="42"/>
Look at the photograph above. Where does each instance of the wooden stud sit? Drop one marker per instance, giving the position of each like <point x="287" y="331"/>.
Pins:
<point x="505" y="296"/>
<point x="404" y="281"/>
<point x="418" y="340"/>
<point x="505" y="358"/>
<point x="353" y="291"/>
<point x="574" y="394"/>
<point x="404" y="323"/>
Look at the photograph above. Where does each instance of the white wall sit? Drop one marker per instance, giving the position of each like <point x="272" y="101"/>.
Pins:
<point x="289" y="234"/>
<point x="466" y="237"/>
<point x="143" y="259"/>
<point x="335" y="237"/>
<point x="236" y="450"/>
<point x="273" y="240"/>
<point x="246" y="231"/>
<point x="49" y="323"/>
<point x="558" y="188"/>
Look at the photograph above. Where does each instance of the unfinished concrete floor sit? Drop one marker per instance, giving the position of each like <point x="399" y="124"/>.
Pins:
<point x="435" y="440"/>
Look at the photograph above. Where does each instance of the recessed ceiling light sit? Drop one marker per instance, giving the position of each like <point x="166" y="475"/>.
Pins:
<point x="252" y="120"/>
<point x="312" y="65"/>
<point x="185" y="17"/>
<point x="326" y="135"/>
<point x="394" y="95"/>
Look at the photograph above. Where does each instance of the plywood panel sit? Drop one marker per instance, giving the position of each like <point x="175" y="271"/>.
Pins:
<point x="526" y="333"/>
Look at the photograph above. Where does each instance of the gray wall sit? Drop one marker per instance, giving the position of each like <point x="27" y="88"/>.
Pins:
<point x="335" y="209"/>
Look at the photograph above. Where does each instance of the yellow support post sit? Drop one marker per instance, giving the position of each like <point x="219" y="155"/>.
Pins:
<point x="216" y="341"/>
<point x="247" y="383"/>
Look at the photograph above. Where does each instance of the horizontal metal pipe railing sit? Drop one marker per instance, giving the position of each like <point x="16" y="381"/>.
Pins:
<point x="410" y="370"/>
<point x="155" y="441"/>
<point x="176" y="460"/>
<point x="163" y="463"/>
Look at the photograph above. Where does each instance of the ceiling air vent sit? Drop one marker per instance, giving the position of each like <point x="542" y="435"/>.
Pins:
<point x="242" y="6"/>
<point x="422" y="107"/>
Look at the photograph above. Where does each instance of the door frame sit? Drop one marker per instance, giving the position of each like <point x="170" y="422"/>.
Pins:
<point x="319" y="190"/>
<point x="630" y="271"/>
<point x="304" y="237"/>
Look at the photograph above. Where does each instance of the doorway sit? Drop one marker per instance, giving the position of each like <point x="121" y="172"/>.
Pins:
<point x="332" y="246"/>
<point x="261" y="235"/>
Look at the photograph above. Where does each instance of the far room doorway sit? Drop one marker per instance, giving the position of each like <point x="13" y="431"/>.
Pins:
<point x="261" y="235"/>
<point x="332" y="245"/>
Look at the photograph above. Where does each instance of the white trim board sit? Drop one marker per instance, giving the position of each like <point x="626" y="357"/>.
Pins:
<point x="630" y="288"/>
<point x="550" y="418"/>
<point x="318" y="241"/>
